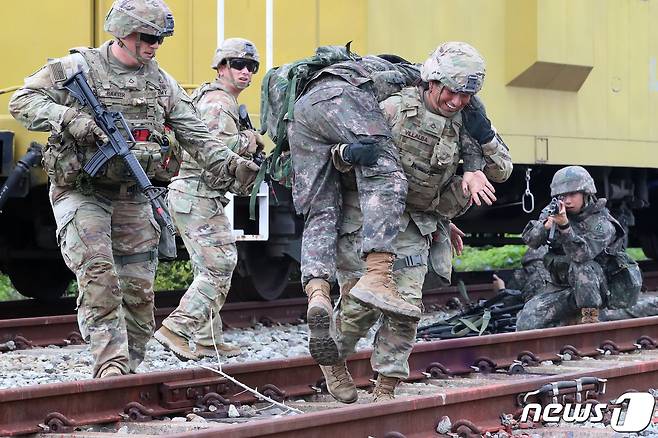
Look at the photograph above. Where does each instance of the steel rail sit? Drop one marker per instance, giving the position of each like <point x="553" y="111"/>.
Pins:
<point x="162" y="393"/>
<point x="473" y="411"/>
<point x="63" y="329"/>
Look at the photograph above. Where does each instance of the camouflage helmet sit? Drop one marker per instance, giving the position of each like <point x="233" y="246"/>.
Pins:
<point x="152" y="17"/>
<point x="572" y="179"/>
<point x="235" y="48"/>
<point x="456" y="65"/>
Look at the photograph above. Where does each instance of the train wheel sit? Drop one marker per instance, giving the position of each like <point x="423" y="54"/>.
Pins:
<point x="649" y="243"/>
<point x="269" y="276"/>
<point x="41" y="279"/>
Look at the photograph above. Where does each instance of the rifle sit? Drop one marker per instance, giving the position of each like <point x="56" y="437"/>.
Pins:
<point x="245" y="123"/>
<point x="552" y="209"/>
<point x="495" y="315"/>
<point x="30" y="159"/>
<point x="117" y="145"/>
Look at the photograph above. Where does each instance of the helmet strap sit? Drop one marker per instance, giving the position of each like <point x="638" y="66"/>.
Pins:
<point x="135" y="55"/>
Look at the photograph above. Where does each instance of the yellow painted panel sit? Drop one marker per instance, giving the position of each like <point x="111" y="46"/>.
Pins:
<point x="246" y="19"/>
<point x="520" y="39"/>
<point x="340" y="21"/>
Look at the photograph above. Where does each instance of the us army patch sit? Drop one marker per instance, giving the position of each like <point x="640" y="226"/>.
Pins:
<point x="416" y="136"/>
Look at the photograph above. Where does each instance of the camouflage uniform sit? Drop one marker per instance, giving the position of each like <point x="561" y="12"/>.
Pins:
<point x="340" y="106"/>
<point x="198" y="212"/>
<point x="430" y="147"/>
<point x="646" y="305"/>
<point x="533" y="277"/>
<point x="105" y="227"/>
<point x="588" y="266"/>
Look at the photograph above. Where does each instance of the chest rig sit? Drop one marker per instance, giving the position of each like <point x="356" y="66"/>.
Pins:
<point x="429" y="149"/>
<point x="136" y="97"/>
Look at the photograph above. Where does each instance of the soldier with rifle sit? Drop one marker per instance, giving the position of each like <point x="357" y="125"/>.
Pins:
<point x="589" y="267"/>
<point x="198" y="209"/>
<point x="106" y="109"/>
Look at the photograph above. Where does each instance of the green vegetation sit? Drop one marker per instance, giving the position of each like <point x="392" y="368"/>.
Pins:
<point x="174" y="275"/>
<point x="505" y="257"/>
<point x="179" y="275"/>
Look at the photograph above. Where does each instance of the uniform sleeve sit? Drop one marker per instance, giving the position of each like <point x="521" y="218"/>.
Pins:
<point x="470" y="152"/>
<point x="193" y="135"/>
<point x="585" y="246"/>
<point x="534" y="234"/>
<point x="497" y="160"/>
<point x="40" y="105"/>
<point x="215" y="110"/>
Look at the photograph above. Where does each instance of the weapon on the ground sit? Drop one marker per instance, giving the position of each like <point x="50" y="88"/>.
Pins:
<point x="245" y="123"/>
<point x="31" y="158"/>
<point x="552" y="209"/>
<point x="496" y="315"/>
<point x="117" y="146"/>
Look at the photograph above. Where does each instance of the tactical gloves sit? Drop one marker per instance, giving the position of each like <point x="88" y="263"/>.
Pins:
<point x="84" y="129"/>
<point x="254" y="142"/>
<point x="245" y="172"/>
<point x="364" y="153"/>
<point x="477" y="124"/>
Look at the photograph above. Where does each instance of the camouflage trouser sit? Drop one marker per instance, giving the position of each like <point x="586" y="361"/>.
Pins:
<point x="395" y="336"/>
<point x="115" y="302"/>
<point x="554" y="308"/>
<point x="336" y="112"/>
<point x="206" y="231"/>
<point x="646" y="305"/>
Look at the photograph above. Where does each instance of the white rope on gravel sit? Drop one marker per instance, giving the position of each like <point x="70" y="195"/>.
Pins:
<point x="219" y="371"/>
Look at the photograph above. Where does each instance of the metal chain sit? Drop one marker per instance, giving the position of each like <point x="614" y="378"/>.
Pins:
<point x="528" y="199"/>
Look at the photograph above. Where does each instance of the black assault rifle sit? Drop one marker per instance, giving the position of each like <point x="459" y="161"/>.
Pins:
<point x="117" y="145"/>
<point x="552" y="209"/>
<point x="245" y="123"/>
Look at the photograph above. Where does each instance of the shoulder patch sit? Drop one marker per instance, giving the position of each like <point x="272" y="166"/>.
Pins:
<point x="56" y="70"/>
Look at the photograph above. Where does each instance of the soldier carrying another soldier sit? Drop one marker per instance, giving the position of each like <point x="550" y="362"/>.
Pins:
<point x="433" y="127"/>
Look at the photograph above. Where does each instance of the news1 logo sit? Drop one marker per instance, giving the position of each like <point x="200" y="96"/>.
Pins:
<point x="637" y="407"/>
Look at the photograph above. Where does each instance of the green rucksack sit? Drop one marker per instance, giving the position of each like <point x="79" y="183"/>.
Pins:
<point x="281" y="88"/>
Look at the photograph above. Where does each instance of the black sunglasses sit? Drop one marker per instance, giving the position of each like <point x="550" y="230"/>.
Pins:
<point x="240" y="63"/>
<point x="151" y="39"/>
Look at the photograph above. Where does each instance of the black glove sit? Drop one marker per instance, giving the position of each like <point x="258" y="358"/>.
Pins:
<point x="477" y="124"/>
<point x="362" y="154"/>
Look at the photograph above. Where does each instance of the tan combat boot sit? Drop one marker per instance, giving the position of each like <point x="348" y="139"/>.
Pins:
<point x="589" y="315"/>
<point x="110" y="371"/>
<point x="224" y="349"/>
<point x="320" y="343"/>
<point x="377" y="288"/>
<point x="339" y="382"/>
<point x="384" y="388"/>
<point x="174" y="343"/>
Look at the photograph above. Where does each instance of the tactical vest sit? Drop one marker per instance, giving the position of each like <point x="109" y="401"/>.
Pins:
<point x="189" y="164"/>
<point x="136" y="97"/>
<point x="429" y="150"/>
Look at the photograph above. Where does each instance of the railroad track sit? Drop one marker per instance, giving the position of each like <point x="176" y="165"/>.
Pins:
<point x="143" y="397"/>
<point x="21" y="333"/>
<point x="26" y="332"/>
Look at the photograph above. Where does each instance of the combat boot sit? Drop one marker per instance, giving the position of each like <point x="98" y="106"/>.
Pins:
<point x="224" y="349"/>
<point x="384" y="388"/>
<point x="110" y="371"/>
<point x="175" y="343"/>
<point x="589" y="315"/>
<point x="320" y="343"/>
<point x="339" y="382"/>
<point x="377" y="288"/>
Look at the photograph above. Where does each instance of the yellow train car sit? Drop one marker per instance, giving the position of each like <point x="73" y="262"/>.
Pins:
<point x="568" y="82"/>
